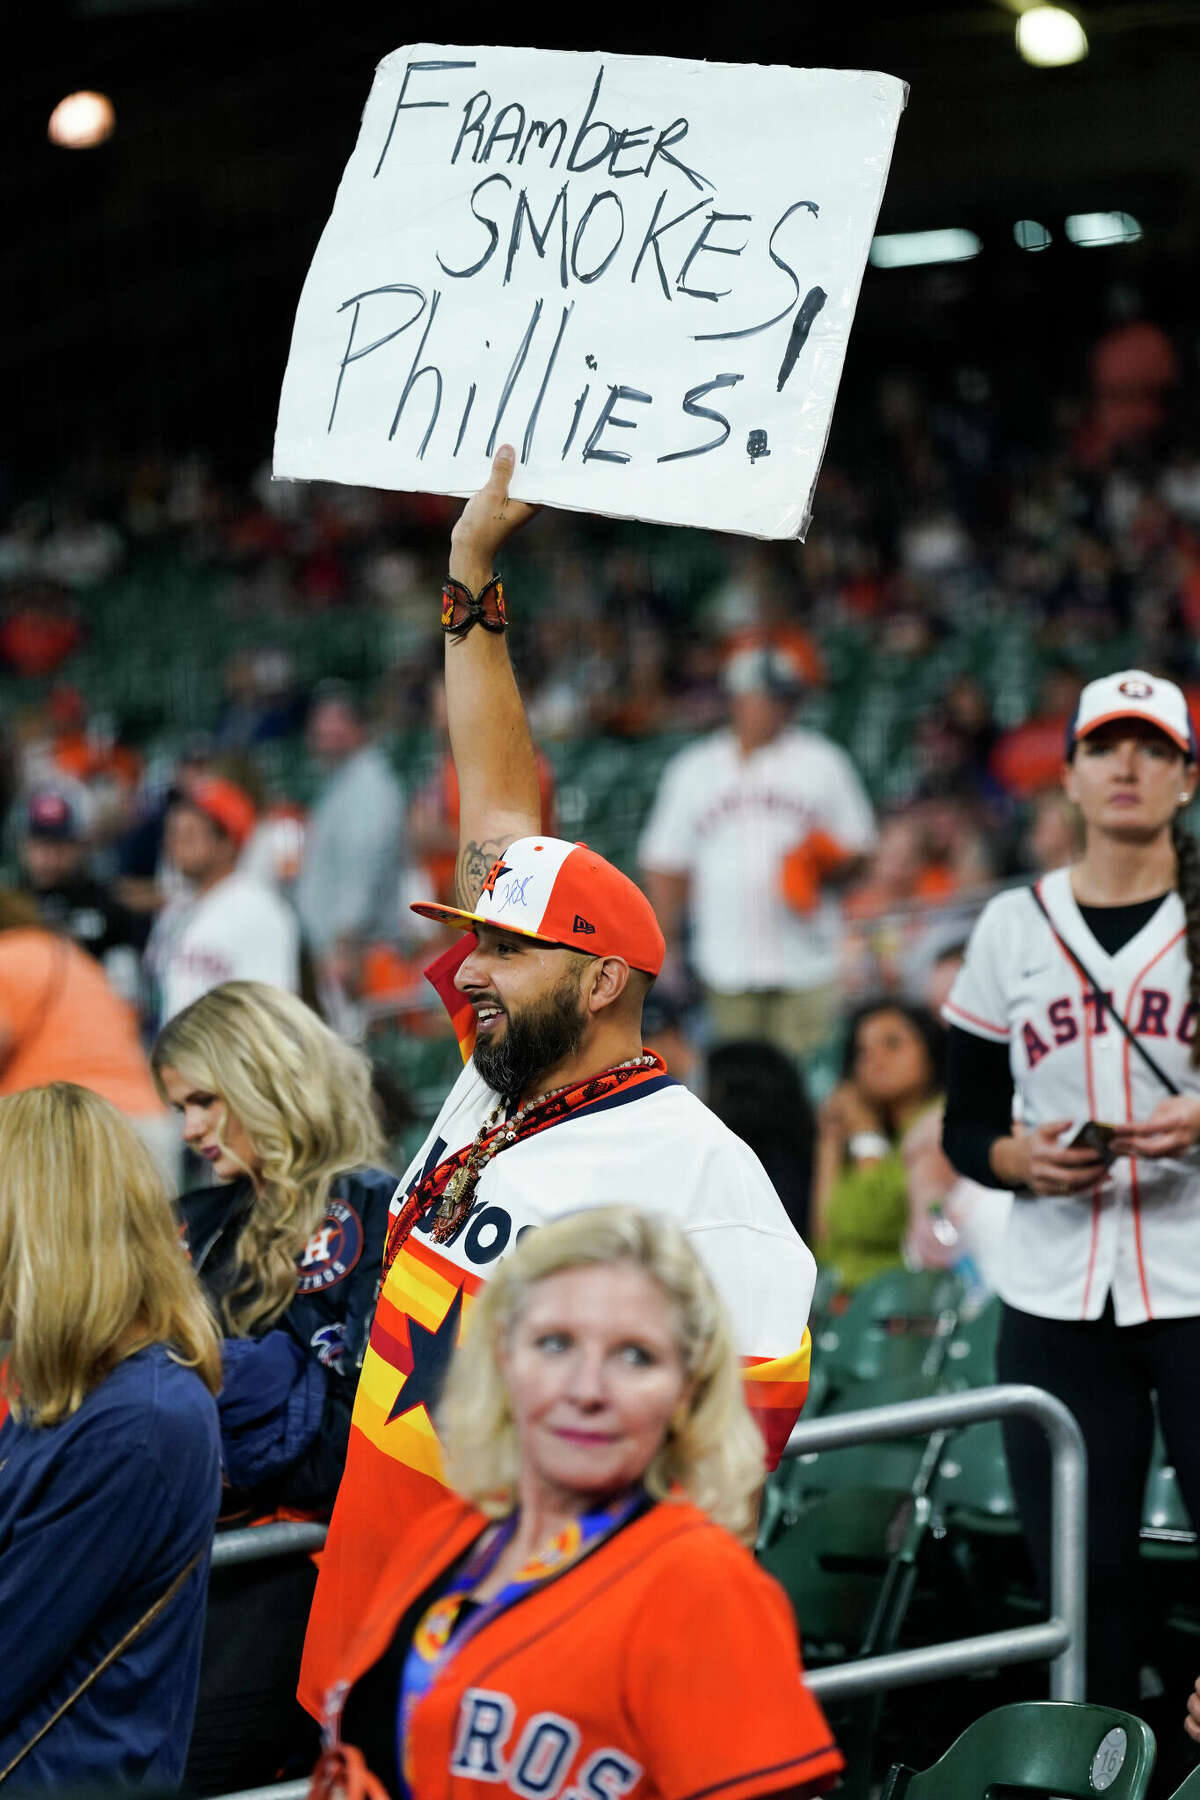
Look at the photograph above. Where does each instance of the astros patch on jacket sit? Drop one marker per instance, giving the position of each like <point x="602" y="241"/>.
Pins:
<point x="333" y="1249"/>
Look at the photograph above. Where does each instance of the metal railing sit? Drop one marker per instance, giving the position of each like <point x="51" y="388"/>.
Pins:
<point x="257" y="1543"/>
<point x="1058" y="1639"/>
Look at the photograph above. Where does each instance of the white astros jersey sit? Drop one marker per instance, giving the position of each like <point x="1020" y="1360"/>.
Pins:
<point x="727" y="819"/>
<point x="656" y="1146"/>
<point x="1138" y="1234"/>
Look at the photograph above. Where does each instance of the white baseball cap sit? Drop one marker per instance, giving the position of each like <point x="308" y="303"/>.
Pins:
<point x="1132" y="694"/>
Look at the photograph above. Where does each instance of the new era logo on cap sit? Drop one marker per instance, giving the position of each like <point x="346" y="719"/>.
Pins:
<point x="539" y="888"/>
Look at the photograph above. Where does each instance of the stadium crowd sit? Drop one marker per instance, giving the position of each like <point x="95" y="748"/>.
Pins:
<point x="233" y="760"/>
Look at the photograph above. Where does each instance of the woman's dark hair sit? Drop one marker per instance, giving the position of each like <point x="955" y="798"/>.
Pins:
<point x="1187" y="880"/>
<point x="755" y="1089"/>
<point x="931" y="1032"/>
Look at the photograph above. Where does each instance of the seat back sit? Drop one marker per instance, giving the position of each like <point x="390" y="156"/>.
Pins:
<point x="973" y="1489"/>
<point x="1039" y="1747"/>
<point x="1189" y="1789"/>
<point x="899" y="1324"/>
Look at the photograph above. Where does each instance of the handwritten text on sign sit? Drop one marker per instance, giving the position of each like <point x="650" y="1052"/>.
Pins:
<point x="640" y="271"/>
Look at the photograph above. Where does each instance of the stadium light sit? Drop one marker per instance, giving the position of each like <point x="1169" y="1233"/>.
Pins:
<point x="82" y="121"/>
<point x="1091" y="231"/>
<point x="1028" y="234"/>
<point x="906" y="249"/>
<point x="1049" y="37"/>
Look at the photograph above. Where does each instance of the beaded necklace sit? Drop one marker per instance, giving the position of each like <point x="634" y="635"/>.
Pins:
<point x="450" y="1187"/>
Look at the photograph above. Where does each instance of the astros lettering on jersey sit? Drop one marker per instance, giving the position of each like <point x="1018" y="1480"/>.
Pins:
<point x="653" y="1144"/>
<point x="1135" y="1234"/>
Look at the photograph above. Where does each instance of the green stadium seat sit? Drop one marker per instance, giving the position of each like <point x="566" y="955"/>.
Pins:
<point x="972" y="1351"/>
<point x="1189" y="1789"/>
<point x="898" y="1324"/>
<point x="973" y="1491"/>
<point x="841" y="1566"/>
<point x="1038" y="1747"/>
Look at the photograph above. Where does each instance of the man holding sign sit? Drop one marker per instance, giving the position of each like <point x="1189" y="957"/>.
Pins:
<point x="559" y="1107"/>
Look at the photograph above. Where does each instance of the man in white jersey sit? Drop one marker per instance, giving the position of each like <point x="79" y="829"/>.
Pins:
<point x="559" y="1107"/>
<point x="751" y="829"/>
<point x="229" y="925"/>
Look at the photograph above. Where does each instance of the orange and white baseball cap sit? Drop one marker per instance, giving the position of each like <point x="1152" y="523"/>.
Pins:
<point x="563" y="894"/>
<point x="227" y="805"/>
<point x="1132" y="694"/>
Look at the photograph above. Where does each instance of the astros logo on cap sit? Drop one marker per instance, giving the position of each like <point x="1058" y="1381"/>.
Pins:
<point x="561" y="893"/>
<point x="1133" y="694"/>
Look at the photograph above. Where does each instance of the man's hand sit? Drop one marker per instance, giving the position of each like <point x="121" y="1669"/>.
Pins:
<point x="486" y="523"/>
<point x="1172" y="1129"/>
<point x="1036" y="1160"/>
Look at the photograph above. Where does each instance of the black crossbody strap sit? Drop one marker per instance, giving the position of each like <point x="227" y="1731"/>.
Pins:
<point x="1102" y="996"/>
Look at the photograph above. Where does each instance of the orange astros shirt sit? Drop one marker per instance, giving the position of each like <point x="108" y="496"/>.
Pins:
<point x="664" y="1666"/>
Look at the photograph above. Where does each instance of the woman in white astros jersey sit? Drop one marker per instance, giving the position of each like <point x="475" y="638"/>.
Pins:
<point x="1075" y="1015"/>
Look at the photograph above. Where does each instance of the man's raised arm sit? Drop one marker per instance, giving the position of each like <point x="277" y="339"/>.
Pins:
<point x="489" y="733"/>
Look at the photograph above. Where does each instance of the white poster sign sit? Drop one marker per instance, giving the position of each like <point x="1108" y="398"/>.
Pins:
<point x="640" y="271"/>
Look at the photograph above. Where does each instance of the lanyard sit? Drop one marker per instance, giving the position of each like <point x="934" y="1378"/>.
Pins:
<point x="435" y="1641"/>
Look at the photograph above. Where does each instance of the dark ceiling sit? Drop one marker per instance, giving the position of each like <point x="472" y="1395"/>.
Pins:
<point x="151" y="282"/>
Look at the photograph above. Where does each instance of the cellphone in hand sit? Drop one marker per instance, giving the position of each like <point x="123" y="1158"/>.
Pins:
<point x="1090" y="1134"/>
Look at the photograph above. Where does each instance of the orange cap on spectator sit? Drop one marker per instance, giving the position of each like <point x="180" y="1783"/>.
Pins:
<point x="225" y="803"/>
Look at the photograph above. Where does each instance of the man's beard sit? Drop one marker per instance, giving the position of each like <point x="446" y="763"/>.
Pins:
<point x="535" y="1040"/>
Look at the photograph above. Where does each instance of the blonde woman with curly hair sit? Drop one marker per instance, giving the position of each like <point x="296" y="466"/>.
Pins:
<point x="109" y="1453"/>
<point x="578" y="1615"/>
<point x="289" y="1242"/>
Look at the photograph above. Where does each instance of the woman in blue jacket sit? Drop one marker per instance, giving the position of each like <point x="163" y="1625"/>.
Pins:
<point x="109" y="1454"/>
<point x="289" y="1243"/>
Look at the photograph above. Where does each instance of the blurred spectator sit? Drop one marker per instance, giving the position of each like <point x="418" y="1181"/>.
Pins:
<point x="230" y="926"/>
<point x="53" y="852"/>
<point x="1030" y="756"/>
<point x="887" y="912"/>
<point x="111" y="1457"/>
<point x="755" y="1090"/>
<point x="882" y="1183"/>
<point x="752" y="807"/>
<point x="83" y="749"/>
<point x="261" y="702"/>
<point x="1134" y="369"/>
<point x="80" y="551"/>
<point x="145" y="879"/>
<point x="39" y="631"/>
<point x="60" y="1021"/>
<point x="1055" y="834"/>
<point x="901" y="869"/>
<point x="348" y="890"/>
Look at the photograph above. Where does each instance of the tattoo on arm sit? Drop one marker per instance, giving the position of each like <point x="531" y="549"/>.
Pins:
<point x="474" y="865"/>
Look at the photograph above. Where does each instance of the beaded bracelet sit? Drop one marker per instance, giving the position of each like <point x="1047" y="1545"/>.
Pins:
<point x="461" y="609"/>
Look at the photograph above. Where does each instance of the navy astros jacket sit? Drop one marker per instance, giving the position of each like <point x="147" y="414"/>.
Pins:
<point x="288" y="1394"/>
<point x="98" y="1515"/>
